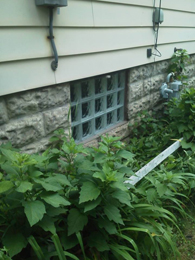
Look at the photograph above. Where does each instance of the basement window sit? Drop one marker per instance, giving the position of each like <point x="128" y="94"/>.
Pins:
<point x="96" y="105"/>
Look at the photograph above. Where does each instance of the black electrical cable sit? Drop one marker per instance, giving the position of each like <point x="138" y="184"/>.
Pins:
<point x="156" y="32"/>
<point x="54" y="63"/>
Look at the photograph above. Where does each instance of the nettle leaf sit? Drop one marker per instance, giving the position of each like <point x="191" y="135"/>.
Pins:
<point x="119" y="185"/>
<point x="34" y="211"/>
<point x="92" y="204"/>
<point x="122" y="196"/>
<point x="10" y="170"/>
<point x="62" y="179"/>
<point x="125" y="169"/>
<point x="89" y="191"/>
<point x="56" y="211"/>
<point x="35" y="174"/>
<point x="49" y="186"/>
<point x="5" y="186"/>
<point x="161" y="189"/>
<point x="113" y="213"/>
<point x="98" y="241"/>
<point x="151" y="195"/>
<point x="55" y="200"/>
<point x="125" y="154"/>
<point x="76" y="221"/>
<point x="99" y="158"/>
<point x="47" y="224"/>
<point x="14" y="242"/>
<point x="10" y="155"/>
<point x="185" y="145"/>
<point x="85" y="164"/>
<point x="63" y="164"/>
<point x="68" y="242"/>
<point x="109" y="226"/>
<point x="24" y="186"/>
<point x="182" y="128"/>
<point x="100" y="175"/>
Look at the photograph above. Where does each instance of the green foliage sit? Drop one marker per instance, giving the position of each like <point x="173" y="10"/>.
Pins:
<point x="181" y="117"/>
<point x="153" y="133"/>
<point x="150" y="135"/>
<point x="178" y="63"/>
<point x="72" y="202"/>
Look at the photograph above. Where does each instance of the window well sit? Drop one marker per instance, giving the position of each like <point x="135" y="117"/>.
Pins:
<point x="96" y="105"/>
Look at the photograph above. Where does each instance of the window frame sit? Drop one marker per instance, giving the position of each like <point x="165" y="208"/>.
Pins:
<point x="112" y="103"/>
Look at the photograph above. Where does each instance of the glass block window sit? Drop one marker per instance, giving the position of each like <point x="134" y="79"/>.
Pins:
<point x="96" y="104"/>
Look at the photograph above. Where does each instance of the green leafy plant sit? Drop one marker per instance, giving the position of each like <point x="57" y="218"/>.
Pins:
<point x="150" y="135"/>
<point x="178" y="63"/>
<point x="181" y="117"/>
<point x="71" y="202"/>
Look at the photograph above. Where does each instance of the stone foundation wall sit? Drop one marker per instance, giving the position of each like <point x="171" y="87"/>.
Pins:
<point x="28" y="119"/>
<point x="144" y="82"/>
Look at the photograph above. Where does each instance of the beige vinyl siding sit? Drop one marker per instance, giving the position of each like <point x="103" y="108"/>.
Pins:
<point x="92" y="37"/>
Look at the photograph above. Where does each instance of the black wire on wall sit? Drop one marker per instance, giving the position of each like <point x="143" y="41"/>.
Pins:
<point x="156" y="29"/>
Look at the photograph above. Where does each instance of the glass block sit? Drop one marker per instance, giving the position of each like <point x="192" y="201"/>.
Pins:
<point x="86" y="128"/>
<point x="85" y="109"/>
<point x="98" y="86"/>
<point x="98" y="105"/>
<point x="110" y="83"/>
<point x="119" y="114"/>
<point x="75" y="133"/>
<point x="98" y="123"/>
<point x="120" y="98"/>
<point x="85" y="89"/>
<point x="110" y="99"/>
<point x="73" y="94"/>
<point x="109" y="118"/>
<point x="119" y="80"/>
<point x="74" y="113"/>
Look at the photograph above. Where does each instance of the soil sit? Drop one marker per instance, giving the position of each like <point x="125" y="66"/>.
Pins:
<point x="186" y="244"/>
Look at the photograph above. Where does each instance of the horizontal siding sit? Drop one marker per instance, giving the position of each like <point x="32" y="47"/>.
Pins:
<point x="24" y="75"/>
<point x="25" y="13"/>
<point x="80" y="12"/>
<point x="78" y="66"/>
<point x="92" y="37"/>
<point x="126" y="15"/>
<point x="167" y="4"/>
<point x="77" y="41"/>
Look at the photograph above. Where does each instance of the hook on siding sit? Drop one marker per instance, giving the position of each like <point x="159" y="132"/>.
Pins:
<point x="54" y="63"/>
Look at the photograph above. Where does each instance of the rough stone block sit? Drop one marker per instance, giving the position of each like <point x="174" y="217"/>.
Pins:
<point x="3" y="112"/>
<point x="55" y="96"/>
<point x="134" y="75"/>
<point x="137" y="106"/>
<point x="135" y="91"/>
<point x="191" y="82"/>
<point x="24" y="131"/>
<point x="153" y="84"/>
<point x="192" y="58"/>
<point x="162" y="66"/>
<point x="190" y="71"/>
<point x="56" y="118"/>
<point x="38" y="100"/>
<point x="148" y="71"/>
<point x="22" y="104"/>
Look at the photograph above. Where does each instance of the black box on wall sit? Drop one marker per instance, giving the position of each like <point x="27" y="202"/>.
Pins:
<point x="54" y="3"/>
